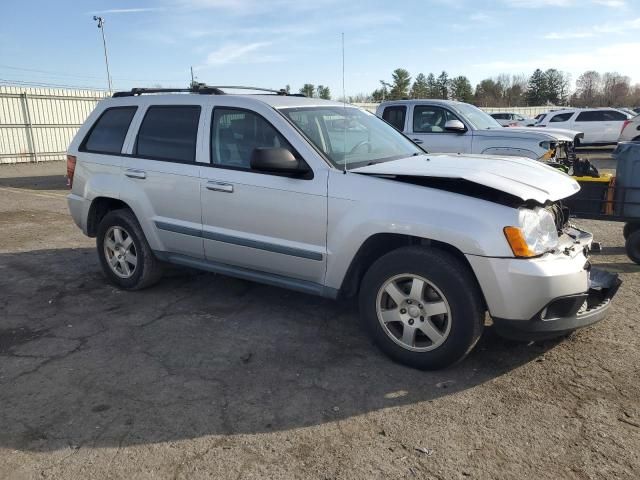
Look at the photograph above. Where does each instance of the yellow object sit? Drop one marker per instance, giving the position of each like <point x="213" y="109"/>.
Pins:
<point x="518" y="244"/>
<point x="604" y="178"/>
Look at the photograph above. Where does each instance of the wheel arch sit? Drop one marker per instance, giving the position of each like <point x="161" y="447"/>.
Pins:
<point x="99" y="207"/>
<point x="380" y="244"/>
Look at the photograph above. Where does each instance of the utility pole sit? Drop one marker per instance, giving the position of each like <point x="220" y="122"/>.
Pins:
<point x="100" y="21"/>
<point x="192" y="78"/>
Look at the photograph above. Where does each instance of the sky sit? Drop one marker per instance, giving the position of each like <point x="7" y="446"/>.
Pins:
<point x="272" y="43"/>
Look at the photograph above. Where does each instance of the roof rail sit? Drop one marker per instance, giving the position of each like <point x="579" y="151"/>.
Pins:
<point x="203" y="89"/>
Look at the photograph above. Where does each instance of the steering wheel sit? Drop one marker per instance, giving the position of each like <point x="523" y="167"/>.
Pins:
<point x="360" y="144"/>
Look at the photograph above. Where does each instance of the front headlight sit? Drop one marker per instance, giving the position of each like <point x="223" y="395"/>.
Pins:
<point x="536" y="234"/>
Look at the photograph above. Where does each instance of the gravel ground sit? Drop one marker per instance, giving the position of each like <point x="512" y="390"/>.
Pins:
<point x="204" y="376"/>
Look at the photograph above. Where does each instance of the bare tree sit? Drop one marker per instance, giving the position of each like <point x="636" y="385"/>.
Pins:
<point x="588" y="88"/>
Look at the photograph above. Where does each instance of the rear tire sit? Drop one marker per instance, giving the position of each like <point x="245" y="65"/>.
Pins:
<point x="422" y="307"/>
<point x="126" y="258"/>
<point x="629" y="228"/>
<point x="632" y="246"/>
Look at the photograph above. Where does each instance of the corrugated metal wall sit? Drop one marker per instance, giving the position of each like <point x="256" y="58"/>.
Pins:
<point x="37" y="124"/>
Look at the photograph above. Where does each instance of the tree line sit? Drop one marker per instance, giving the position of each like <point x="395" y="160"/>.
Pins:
<point x="548" y="87"/>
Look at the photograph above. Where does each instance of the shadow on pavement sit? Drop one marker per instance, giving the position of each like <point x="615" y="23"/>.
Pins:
<point x="36" y="182"/>
<point x="85" y="364"/>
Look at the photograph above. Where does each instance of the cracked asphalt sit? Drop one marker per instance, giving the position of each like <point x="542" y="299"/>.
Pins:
<point x="205" y="376"/>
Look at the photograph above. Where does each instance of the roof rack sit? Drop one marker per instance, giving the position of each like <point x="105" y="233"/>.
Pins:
<point x="202" y="89"/>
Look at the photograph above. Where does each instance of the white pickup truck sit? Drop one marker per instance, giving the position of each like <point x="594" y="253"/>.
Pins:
<point x="445" y="126"/>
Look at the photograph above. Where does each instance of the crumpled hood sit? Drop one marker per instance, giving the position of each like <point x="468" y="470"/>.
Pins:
<point x="561" y="134"/>
<point x="521" y="177"/>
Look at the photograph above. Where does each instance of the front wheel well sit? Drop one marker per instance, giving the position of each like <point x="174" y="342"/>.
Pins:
<point x="382" y="243"/>
<point x="100" y="206"/>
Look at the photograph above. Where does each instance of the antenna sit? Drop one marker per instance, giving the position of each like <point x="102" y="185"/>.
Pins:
<point x="344" y="106"/>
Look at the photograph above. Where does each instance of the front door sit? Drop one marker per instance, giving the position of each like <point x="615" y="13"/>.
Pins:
<point x="427" y="128"/>
<point x="255" y="220"/>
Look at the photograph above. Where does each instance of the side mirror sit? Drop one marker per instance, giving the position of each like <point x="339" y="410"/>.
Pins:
<point x="455" y="126"/>
<point x="277" y="160"/>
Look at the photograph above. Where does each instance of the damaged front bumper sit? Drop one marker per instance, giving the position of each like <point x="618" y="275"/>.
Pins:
<point x="565" y="314"/>
<point x="547" y="296"/>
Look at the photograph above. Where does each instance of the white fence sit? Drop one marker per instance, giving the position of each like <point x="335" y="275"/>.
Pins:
<point x="37" y="124"/>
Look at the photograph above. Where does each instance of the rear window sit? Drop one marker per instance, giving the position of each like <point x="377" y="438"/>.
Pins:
<point x="501" y="116"/>
<point x="169" y="133"/>
<point x="108" y="133"/>
<point x="561" y="117"/>
<point x="395" y="116"/>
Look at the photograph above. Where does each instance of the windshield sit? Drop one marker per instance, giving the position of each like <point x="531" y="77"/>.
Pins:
<point x="476" y="117"/>
<point x="351" y="135"/>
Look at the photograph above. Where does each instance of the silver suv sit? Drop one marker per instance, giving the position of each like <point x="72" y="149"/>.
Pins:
<point x="328" y="199"/>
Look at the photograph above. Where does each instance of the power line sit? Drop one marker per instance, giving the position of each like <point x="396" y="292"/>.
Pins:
<point x="49" y="85"/>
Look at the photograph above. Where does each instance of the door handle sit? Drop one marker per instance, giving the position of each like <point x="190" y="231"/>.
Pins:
<point x="417" y="140"/>
<point x="131" y="173"/>
<point x="219" y="187"/>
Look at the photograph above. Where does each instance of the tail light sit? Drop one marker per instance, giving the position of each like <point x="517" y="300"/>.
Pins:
<point x="624" y="125"/>
<point x="71" y="169"/>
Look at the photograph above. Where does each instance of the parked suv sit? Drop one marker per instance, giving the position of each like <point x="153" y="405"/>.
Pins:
<point x="327" y="199"/>
<point x="599" y="125"/>
<point x="445" y="126"/>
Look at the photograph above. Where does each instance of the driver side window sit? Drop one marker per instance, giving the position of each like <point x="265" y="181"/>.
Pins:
<point x="431" y="119"/>
<point x="236" y="133"/>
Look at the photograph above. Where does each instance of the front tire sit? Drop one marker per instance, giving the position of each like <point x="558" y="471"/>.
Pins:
<point x="126" y="258"/>
<point x="422" y="307"/>
<point x="632" y="245"/>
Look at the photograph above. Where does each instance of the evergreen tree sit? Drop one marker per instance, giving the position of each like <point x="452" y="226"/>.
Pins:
<point x="324" y="92"/>
<point x="420" y="88"/>
<point x="443" y="85"/>
<point x="401" y="82"/>
<point x="537" y="88"/>
<point x="432" y="86"/>
<point x="461" y="89"/>
<point x="308" y="90"/>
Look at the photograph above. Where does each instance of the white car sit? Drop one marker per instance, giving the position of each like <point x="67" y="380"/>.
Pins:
<point x="510" y="119"/>
<point x="325" y="198"/>
<point x="446" y="126"/>
<point x="601" y="126"/>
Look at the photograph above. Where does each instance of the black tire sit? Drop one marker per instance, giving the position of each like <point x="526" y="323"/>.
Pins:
<point x="576" y="143"/>
<point x="632" y="246"/>
<point x="457" y="286"/>
<point x="148" y="270"/>
<point x="629" y="228"/>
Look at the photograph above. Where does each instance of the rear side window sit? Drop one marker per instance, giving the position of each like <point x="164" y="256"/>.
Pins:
<point x="395" y="116"/>
<point x="501" y="116"/>
<point x="561" y="117"/>
<point x="108" y="133"/>
<point x="592" y="116"/>
<point x="169" y="133"/>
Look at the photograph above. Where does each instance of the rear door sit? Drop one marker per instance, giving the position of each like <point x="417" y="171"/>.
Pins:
<point x="161" y="176"/>
<point x="592" y="123"/>
<point x="427" y="127"/>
